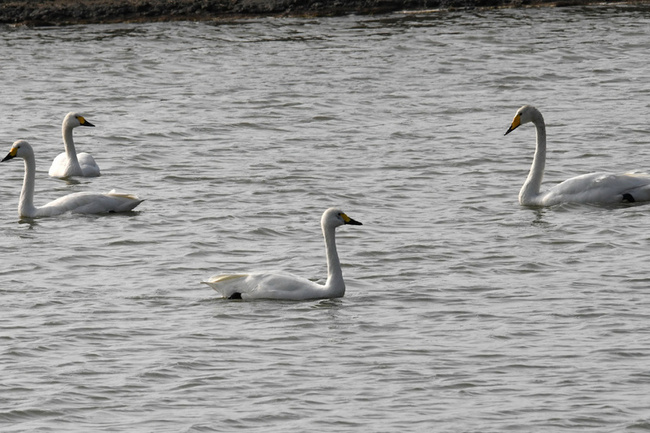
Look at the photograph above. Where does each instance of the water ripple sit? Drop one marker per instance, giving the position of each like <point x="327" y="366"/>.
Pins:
<point x="463" y="312"/>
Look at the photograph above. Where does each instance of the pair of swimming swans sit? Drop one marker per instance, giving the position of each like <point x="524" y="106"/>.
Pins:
<point x="604" y="188"/>
<point x="592" y="188"/>
<point x="65" y="165"/>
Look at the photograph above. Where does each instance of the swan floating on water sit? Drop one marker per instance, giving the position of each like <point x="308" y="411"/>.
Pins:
<point x="593" y="188"/>
<point x="70" y="163"/>
<point x="273" y="285"/>
<point x="80" y="202"/>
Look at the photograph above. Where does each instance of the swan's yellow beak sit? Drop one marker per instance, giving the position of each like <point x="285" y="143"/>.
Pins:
<point x="83" y="121"/>
<point x="350" y="221"/>
<point x="12" y="154"/>
<point x="515" y="123"/>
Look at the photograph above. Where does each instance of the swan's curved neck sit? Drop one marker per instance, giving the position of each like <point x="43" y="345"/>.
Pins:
<point x="68" y="142"/>
<point x="334" y="282"/>
<point x="26" y="206"/>
<point x="530" y="190"/>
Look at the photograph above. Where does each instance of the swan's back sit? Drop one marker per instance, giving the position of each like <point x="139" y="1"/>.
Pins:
<point x="89" y="167"/>
<point x="605" y="188"/>
<point x="90" y="203"/>
<point x="266" y="285"/>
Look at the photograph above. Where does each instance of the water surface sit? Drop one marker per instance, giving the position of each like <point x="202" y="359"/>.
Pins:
<point x="464" y="311"/>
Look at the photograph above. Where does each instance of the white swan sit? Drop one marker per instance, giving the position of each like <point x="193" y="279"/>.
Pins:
<point x="71" y="163"/>
<point x="269" y="285"/>
<point x="594" y="188"/>
<point x="80" y="202"/>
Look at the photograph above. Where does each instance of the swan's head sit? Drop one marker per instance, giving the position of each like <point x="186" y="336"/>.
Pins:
<point x="19" y="149"/>
<point x="525" y="114"/>
<point x="334" y="217"/>
<point x="72" y="120"/>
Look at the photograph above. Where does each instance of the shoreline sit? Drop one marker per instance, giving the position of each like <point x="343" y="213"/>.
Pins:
<point x="40" y="13"/>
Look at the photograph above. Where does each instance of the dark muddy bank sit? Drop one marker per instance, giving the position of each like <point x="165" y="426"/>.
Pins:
<point x="65" y="12"/>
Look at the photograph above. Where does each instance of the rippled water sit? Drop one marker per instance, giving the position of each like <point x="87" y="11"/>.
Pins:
<point x="464" y="311"/>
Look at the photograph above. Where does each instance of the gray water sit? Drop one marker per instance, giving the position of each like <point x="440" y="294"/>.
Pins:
<point x="464" y="311"/>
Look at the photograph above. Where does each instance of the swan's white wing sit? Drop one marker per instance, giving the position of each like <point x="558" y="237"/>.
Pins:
<point x="89" y="167"/>
<point x="90" y="203"/>
<point x="600" y="188"/>
<point x="266" y="285"/>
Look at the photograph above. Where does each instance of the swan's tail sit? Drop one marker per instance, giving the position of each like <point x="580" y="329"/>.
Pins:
<point x="229" y="286"/>
<point x="114" y="193"/>
<point x="639" y="194"/>
<point x="124" y="201"/>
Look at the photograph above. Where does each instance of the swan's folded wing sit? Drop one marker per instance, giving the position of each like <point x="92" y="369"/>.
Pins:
<point x="91" y="203"/>
<point x="602" y="188"/>
<point x="89" y="167"/>
<point x="266" y="285"/>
